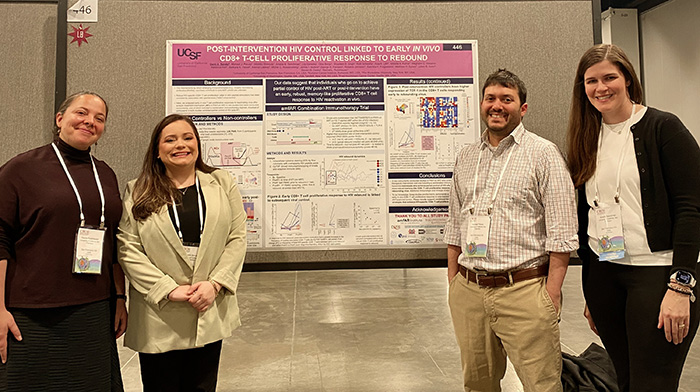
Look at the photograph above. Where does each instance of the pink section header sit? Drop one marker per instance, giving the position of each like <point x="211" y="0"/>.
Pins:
<point x="297" y="60"/>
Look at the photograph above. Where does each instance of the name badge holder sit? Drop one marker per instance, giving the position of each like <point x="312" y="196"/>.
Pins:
<point x="89" y="243"/>
<point x="611" y="238"/>
<point x="191" y="248"/>
<point x="478" y="227"/>
<point x="89" y="240"/>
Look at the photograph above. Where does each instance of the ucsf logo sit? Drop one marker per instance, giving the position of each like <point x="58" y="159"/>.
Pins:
<point x="187" y="52"/>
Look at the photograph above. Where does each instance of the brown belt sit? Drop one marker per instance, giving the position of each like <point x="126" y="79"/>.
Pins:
<point x="506" y="278"/>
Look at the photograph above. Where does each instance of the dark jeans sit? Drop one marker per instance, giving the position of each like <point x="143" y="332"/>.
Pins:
<point x="624" y="302"/>
<point x="195" y="369"/>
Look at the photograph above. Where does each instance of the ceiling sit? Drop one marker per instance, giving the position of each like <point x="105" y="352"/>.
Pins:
<point x="640" y="5"/>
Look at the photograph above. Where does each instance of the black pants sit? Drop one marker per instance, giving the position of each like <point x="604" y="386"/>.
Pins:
<point x="195" y="369"/>
<point x="624" y="302"/>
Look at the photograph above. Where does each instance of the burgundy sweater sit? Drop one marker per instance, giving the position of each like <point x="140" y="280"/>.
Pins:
<point x="39" y="218"/>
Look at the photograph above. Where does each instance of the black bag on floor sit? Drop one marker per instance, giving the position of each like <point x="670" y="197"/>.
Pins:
<point x="591" y="371"/>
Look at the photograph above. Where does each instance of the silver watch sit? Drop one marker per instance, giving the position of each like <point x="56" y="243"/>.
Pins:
<point x="684" y="278"/>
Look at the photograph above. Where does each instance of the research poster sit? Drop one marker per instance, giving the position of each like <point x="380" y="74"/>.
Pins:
<point x="334" y="144"/>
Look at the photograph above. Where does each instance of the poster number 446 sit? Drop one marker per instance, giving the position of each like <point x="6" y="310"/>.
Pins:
<point x="83" y="11"/>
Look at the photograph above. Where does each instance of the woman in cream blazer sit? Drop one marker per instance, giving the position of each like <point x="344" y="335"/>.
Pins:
<point x="179" y="300"/>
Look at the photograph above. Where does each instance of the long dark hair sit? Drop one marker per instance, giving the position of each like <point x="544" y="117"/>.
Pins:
<point x="153" y="188"/>
<point x="585" y="119"/>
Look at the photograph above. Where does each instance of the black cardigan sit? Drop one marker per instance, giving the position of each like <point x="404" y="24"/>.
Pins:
<point x="668" y="160"/>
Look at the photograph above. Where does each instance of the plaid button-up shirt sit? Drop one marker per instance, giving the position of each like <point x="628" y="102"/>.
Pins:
<point x="534" y="212"/>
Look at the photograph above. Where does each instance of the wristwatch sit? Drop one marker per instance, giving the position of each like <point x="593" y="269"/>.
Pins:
<point x="684" y="278"/>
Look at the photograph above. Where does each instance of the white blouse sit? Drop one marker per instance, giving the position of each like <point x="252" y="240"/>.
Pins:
<point x="616" y="143"/>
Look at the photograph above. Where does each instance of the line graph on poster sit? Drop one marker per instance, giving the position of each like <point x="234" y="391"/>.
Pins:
<point x="222" y="154"/>
<point x="352" y="173"/>
<point x="290" y="218"/>
<point x="327" y="218"/>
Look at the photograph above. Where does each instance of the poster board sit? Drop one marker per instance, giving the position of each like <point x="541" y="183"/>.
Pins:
<point x="333" y="144"/>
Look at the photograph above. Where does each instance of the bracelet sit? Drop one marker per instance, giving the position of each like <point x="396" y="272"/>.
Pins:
<point x="677" y="283"/>
<point x="677" y="290"/>
<point x="120" y="296"/>
<point x="682" y="290"/>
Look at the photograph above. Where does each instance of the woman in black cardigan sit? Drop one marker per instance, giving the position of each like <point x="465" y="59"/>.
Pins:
<point x="637" y="170"/>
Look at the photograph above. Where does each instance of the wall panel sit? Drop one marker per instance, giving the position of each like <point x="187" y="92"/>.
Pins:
<point x="125" y="61"/>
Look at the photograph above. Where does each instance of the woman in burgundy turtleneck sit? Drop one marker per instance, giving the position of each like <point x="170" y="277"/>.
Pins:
<point x="57" y="322"/>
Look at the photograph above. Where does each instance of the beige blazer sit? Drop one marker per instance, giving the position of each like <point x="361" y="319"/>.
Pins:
<point x="155" y="262"/>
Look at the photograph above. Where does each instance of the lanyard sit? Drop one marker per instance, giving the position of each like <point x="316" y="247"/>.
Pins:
<point x="498" y="184"/>
<point x="199" y="207"/>
<point x="75" y="189"/>
<point x="619" y="162"/>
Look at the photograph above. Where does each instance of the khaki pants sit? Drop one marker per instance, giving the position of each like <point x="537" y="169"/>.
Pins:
<point x="519" y="320"/>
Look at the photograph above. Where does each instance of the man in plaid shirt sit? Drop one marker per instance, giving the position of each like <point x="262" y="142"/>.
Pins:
<point x="511" y="229"/>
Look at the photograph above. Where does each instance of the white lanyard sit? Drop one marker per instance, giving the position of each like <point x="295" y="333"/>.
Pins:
<point x="199" y="206"/>
<point x="498" y="184"/>
<point x="75" y="189"/>
<point x="619" y="163"/>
